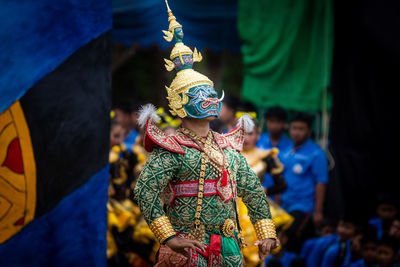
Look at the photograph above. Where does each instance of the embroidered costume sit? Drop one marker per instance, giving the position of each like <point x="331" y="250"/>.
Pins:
<point x="189" y="185"/>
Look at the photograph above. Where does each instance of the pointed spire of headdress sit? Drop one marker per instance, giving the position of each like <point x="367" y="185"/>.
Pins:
<point x="173" y="24"/>
<point x="181" y="59"/>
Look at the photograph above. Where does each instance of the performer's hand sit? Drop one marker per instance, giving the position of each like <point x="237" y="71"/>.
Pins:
<point x="266" y="246"/>
<point x="181" y="245"/>
<point x="317" y="218"/>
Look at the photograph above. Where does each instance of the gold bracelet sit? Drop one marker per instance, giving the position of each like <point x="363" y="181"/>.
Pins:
<point x="162" y="228"/>
<point x="265" y="229"/>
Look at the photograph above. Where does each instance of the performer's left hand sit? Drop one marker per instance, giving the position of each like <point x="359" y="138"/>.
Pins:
<point x="266" y="246"/>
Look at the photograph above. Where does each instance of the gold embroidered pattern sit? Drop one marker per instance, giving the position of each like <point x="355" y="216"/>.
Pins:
<point x="186" y="141"/>
<point x="155" y="136"/>
<point x="164" y="166"/>
<point x="236" y="138"/>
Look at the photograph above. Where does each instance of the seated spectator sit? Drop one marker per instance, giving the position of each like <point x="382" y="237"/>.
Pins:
<point x="327" y="228"/>
<point x="283" y="256"/>
<point x="387" y="252"/>
<point x="386" y="211"/>
<point x="395" y="228"/>
<point x="344" y="231"/>
<point x="341" y="253"/>
<point x="368" y="251"/>
<point x="355" y="246"/>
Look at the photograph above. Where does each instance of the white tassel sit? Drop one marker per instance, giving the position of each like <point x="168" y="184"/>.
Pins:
<point x="247" y="123"/>
<point x="147" y="112"/>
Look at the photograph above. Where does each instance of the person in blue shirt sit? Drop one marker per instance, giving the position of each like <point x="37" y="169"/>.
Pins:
<point x="276" y="122"/>
<point x="130" y="139"/>
<point x="386" y="211"/>
<point x="327" y="228"/>
<point x="127" y="115"/>
<point x="351" y="246"/>
<point x="344" y="231"/>
<point x="339" y="254"/>
<point x="306" y="175"/>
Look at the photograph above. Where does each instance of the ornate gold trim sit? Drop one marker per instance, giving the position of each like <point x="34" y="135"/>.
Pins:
<point x="180" y="49"/>
<point x="228" y="228"/>
<point x="172" y="20"/>
<point x="265" y="229"/>
<point x="198" y="233"/>
<point x="162" y="228"/>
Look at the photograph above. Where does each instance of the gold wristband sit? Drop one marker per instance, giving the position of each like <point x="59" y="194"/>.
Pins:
<point x="162" y="228"/>
<point x="265" y="229"/>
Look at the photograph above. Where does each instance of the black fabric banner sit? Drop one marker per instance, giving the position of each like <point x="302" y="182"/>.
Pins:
<point x="68" y="116"/>
<point x="365" y="76"/>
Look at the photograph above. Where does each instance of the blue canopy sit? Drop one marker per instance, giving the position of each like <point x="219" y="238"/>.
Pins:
<point x="206" y="23"/>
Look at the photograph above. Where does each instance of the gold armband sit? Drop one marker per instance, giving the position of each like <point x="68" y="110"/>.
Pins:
<point x="162" y="228"/>
<point x="265" y="229"/>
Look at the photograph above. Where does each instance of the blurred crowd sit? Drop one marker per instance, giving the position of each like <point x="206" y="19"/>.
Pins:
<point x="294" y="172"/>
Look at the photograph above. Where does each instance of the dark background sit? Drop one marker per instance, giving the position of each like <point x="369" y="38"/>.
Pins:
<point x="365" y="78"/>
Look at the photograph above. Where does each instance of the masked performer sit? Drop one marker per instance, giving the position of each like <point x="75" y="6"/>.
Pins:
<point x="187" y="190"/>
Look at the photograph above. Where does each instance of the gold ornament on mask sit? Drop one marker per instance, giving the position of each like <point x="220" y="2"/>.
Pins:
<point x="168" y="36"/>
<point x="197" y="57"/>
<point x="169" y="64"/>
<point x="176" y="103"/>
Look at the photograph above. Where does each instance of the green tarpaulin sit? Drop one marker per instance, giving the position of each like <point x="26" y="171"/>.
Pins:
<point x="287" y="49"/>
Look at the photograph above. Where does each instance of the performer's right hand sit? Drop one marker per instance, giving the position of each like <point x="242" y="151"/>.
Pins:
<point x="181" y="245"/>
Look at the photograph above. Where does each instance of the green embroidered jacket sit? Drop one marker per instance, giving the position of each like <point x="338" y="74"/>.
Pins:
<point x="165" y="171"/>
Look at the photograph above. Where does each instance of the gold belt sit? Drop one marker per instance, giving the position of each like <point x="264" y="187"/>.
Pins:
<point x="227" y="227"/>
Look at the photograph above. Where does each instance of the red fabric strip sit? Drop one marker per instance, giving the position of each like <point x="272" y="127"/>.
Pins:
<point x="214" y="251"/>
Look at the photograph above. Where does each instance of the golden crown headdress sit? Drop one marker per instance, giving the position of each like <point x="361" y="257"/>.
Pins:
<point x="181" y="59"/>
